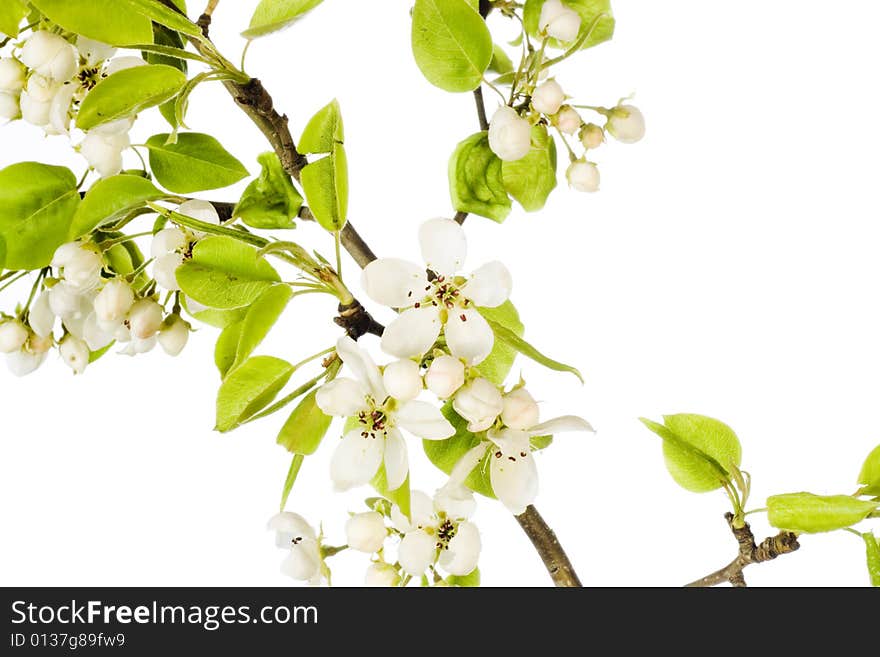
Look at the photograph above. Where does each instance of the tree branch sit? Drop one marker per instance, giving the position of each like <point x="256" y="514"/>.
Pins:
<point x="749" y="553"/>
<point x="548" y="547"/>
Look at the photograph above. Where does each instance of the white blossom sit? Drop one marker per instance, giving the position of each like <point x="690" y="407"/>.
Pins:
<point x="626" y="124"/>
<point x="31" y="355"/>
<point x="583" y="176"/>
<point x="510" y="136"/>
<point x="445" y="376"/>
<point x="568" y="120"/>
<point x="122" y="63"/>
<point x="145" y="319"/>
<point x="165" y="270"/>
<point x="75" y="353"/>
<point x="366" y="532"/>
<point x="114" y="301"/>
<point x="480" y="403"/>
<point x="168" y="240"/>
<point x="445" y="300"/>
<point x="462" y="553"/>
<point x="202" y="211"/>
<point x="591" y="136"/>
<point x="36" y="100"/>
<point x="80" y="265"/>
<point x="50" y="55"/>
<point x="10" y="108"/>
<point x="402" y="380"/>
<point x="68" y="302"/>
<point x="174" y="335"/>
<point x="13" y="335"/>
<point x="93" y="52"/>
<point x="548" y="97"/>
<point x="417" y="551"/>
<point x="559" y="21"/>
<point x="59" y="110"/>
<point x="294" y="533"/>
<point x="381" y="574"/>
<point x="40" y="316"/>
<point x="96" y="335"/>
<point x="520" y="410"/>
<point x="103" y="152"/>
<point x="13" y="75"/>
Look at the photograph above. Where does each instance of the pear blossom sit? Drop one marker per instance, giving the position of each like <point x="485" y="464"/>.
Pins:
<point x="381" y="574"/>
<point x="293" y="532"/>
<point x="202" y="211"/>
<point x="10" y="109"/>
<point x="440" y="299"/>
<point x="510" y="136"/>
<point x="626" y="124"/>
<point x="74" y="352"/>
<point x="366" y="532"/>
<point x="548" y="98"/>
<point x="40" y="317"/>
<point x="13" y="75"/>
<point x="445" y="375"/>
<point x="402" y="380"/>
<point x="559" y="21"/>
<point x="29" y="357"/>
<point x="114" y="301"/>
<point x="13" y="336"/>
<point x="36" y="99"/>
<point x="583" y="176"/>
<point x="174" y="335"/>
<point x="145" y="319"/>
<point x="95" y="333"/>
<point x="480" y="403"/>
<point x="80" y="264"/>
<point x="591" y="136"/>
<point x="104" y="152"/>
<point x="380" y="416"/>
<point x="567" y="120"/>
<point x="93" y="52"/>
<point x="50" y="55"/>
<point x="122" y="63"/>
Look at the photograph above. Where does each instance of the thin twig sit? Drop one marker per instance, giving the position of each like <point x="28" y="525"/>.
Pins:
<point x="548" y="547"/>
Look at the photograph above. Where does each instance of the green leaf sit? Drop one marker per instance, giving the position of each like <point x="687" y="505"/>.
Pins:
<point x="111" y="198"/>
<point x="469" y="580"/>
<point x="400" y="496"/>
<point x="451" y="44"/>
<point x="810" y="514"/>
<point x="2" y="253"/>
<point x="869" y="476"/>
<point x="227" y="347"/>
<point x="531" y="179"/>
<point x="698" y="450"/>
<point x="11" y="14"/>
<point x="162" y="15"/>
<point x="260" y="318"/>
<point x="225" y="273"/>
<point x="446" y="453"/>
<point x="498" y="364"/>
<point x="589" y="11"/>
<point x="108" y="21"/>
<point x="510" y="338"/>
<point x="295" y="465"/>
<point x="500" y="63"/>
<point x="475" y="182"/>
<point x="168" y="49"/>
<point x="325" y="183"/>
<point x="38" y="203"/>
<point x="305" y="428"/>
<point x="250" y="388"/>
<point x="872" y="555"/>
<point x="271" y="200"/>
<point x="273" y="15"/>
<point x="128" y="92"/>
<point x="215" y="317"/>
<point x="196" y="162"/>
<point x="323" y="131"/>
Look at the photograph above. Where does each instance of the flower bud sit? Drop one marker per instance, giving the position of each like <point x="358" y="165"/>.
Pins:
<point x="416" y="552"/>
<point x="50" y="56"/>
<point x="366" y="532"/>
<point x="40" y="317"/>
<point x="81" y="266"/>
<point x="145" y="319"/>
<point x="23" y="362"/>
<point x="591" y="136"/>
<point x="520" y="410"/>
<point x="402" y="380"/>
<point x="509" y="135"/>
<point x="10" y="109"/>
<point x="381" y="574"/>
<point x="104" y="152"/>
<point x="548" y="98"/>
<point x="480" y="403"/>
<point x="626" y="124"/>
<point x="174" y="335"/>
<point x="95" y="334"/>
<point x="75" y="353"/>
<point x="567" y="120"/>
<point x="114" y="301"/>
<point x="201" y="210"/>
<point x="165" y="270"/>
<point x="13" y="336"/>
<point x="66" y="301"/>
<point x="559" y="21"/>
<point x="167" y="240"/>
<point x="463" y="552"/>
<point x="12" y="75"/>
<point x="36" y="100"/>
<point x="137" y="346"/>
<point x="583" y="176"/>
<point x="445" y="376"/>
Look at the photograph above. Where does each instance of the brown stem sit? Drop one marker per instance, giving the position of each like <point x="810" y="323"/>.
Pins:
<point x="548" y="547"/>
<point x="749" y="553"/>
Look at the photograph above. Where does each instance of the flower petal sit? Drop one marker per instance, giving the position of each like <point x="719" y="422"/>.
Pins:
<point x="416" y="552"/>
<point x="469" y="336"/>
<point x="394" y="282"/>
<point x="560" y="425"/>
<point x="514" y="478"/>
<point x="466" y="464"/>
<point x="421" y="510"/>
<point x="356" y="460"/>
<point x="362" y="366"/>
<point x="412" y="333"/>
<point x="456" y="501"/>
<point x="490" y="285"/>
<point x="463" y="552"/>
<point x="424" y="420"/>
<point x="342" y="397"/>
<point x="444" y="246"/>
<point x="303" y="562"/>
<point x="396" y="461"/>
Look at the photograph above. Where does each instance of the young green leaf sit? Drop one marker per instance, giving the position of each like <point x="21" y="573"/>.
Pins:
<point x="400" y="496"/>
<point x="2" y="253"/>
<point x="869" y="476"/>
<point x="111" y="198"/>
<point x="325" y="183"/>
<point x="225" y="273"/>
<point x="451" y="44"/>
<point x="446" y="453"/>
<point x="500" y="63"/>
<point x="127" y="92"/>
<point x="196" y="162"/>
<point x="323" y="130"/>
<point x="11" y="14"/>
<point x="227" y="347"/>
<point x="273" y="15"/>
<point x="872" y="555"/>
<point x="698" y="450"/>
<point x="305" y="428"/>
<point x="475" y="182"/>
<point x="292" y="473"/>
<point x="116" y="23"/>
<point x="260" y="318"/>
<point x="249" y="388"/>
<point x="498" y="364"/>
<point x="510" y="338"/>
<point x="159" y="13"/>
<point x="470" y="580"/>
<point x="38" y="204"/>
<point x="213" y="316"/>
<point x="270" y="201"/>
<point x="809" y="513"/>
<point x="589" y="11"/>
<point x="531" y="179"/>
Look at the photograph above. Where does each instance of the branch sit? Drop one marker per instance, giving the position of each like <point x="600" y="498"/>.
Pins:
<point x="749" y="553"/>
<point x="548" y="547"/>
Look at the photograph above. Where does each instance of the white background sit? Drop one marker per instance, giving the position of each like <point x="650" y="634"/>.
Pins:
<point x="728" y="267"/>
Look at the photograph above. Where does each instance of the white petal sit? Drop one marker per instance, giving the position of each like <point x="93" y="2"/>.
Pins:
<point x="365" y="532"/>
<point x="514" y="478"/>
<point x="396" y="460"/>
<point x="424" y="420"/>
<point x="393" y="282"/>
<point x="303" y="562"/>
<point x="421" y="511"/>
<point x="412" y="333"/>
<point x="560" y="425"/>
<point x="469" y="336"/>
<point x="342" y="397"/>
<point x="362" y="366"/>
<point x="510" y="440"/>
<point x="466" y="464"/>
<point x="22" y="363"/>
<point x="489" y="286"/>
<point x="41" y="318"/>
<point x="402" y="380"/>
<point x="356" y="460"/>
<point x="381" y="574"/>
<point x="291" y="525"/>
<point x="200" y="210"/>
<point x="416" y="552"/>
<point x="444" y="246"/>
<point x="94" y="335"/>
<point x="463" y="552"/>
<point x="456" y="501"/>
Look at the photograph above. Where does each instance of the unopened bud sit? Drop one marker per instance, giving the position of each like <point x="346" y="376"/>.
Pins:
<point x="583" y="176"/>
<point x="509" y="135"/>
<point x="548" y="98"/>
